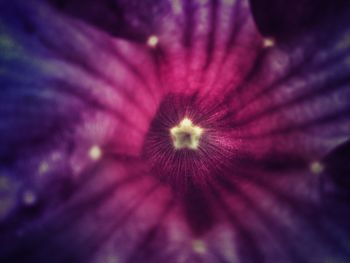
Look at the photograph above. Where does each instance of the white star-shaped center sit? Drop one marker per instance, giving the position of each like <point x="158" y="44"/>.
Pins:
<point x="186" y="135"/>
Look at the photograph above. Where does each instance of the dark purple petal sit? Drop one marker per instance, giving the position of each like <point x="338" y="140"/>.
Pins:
<point x="285" y="20"/>
<point x="133" y="19"/>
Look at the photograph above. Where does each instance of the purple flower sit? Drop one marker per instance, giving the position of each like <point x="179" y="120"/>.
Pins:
<point x="174" y="131"/>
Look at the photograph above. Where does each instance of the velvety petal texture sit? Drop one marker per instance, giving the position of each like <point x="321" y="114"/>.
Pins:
<point x="90" y="92"/>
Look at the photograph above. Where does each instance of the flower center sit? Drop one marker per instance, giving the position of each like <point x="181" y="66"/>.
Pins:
<point x="186" y="135"/>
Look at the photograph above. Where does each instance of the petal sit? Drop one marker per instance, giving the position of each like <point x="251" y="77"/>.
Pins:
<point x="283" y="20"/>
